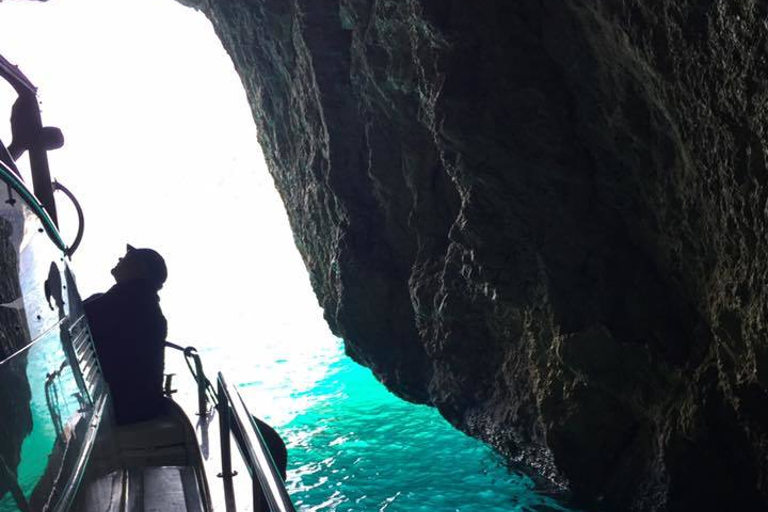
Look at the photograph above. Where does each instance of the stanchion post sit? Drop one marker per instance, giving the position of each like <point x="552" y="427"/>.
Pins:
<point x="224" y="430"/>
<point x="201" y="402"/>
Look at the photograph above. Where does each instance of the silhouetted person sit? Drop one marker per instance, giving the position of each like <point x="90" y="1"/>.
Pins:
<point x="129" y="332"/>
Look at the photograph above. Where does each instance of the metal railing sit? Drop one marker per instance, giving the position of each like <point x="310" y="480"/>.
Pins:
<point x="234" y="418"/>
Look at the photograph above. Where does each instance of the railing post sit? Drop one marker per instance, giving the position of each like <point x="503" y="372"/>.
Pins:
<point x="224" y="431"/>
<point x="201" y="402"/>
<point x="257" y="496"/>
<point x="266" y="480"/>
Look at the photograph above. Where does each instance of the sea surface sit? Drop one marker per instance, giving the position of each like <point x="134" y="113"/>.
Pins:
<point x="355" y="447"/>
<point x="352" y="445"/>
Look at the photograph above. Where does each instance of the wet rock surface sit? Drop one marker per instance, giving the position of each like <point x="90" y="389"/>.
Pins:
<point x="547" y="219"/>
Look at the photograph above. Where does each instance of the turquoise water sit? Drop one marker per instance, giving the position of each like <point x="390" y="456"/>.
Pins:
<point x="353" y="446"/>
<point x="43" y="359"/>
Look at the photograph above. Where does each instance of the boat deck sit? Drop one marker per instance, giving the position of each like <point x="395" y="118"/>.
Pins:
<point x="149" y="489"/>
<point x="152" y="466"/>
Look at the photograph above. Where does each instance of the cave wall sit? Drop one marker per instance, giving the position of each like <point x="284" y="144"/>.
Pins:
<point x="544" y="218"/>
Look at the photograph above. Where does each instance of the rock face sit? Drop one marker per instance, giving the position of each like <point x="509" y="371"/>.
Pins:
<point x="545" y="218"/>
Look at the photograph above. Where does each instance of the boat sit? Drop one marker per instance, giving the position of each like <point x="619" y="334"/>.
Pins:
<point x="61" y="449"/>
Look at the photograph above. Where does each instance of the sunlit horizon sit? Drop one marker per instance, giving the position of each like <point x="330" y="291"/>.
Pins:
<point x="162" y="152"/>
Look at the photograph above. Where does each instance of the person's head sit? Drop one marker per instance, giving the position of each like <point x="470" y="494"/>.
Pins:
<point x="141" y="264"/>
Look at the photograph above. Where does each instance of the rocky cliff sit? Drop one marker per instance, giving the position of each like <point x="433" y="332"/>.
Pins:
<point x="545" y="218"/>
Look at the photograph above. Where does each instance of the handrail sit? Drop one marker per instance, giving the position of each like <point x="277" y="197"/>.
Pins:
<point x="80" y="217"/>
<point x="8" y="176"/>
<point x="234" y="414"/>
<point x="13" y="75"/>
<point x="81" y="464"/>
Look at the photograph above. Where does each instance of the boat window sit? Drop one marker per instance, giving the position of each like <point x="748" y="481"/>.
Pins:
<point x="49" y="375"/>
<point x="32" y="292"/>
<point x="46" y="402"/>
<point x="31" y="252"/>
<point x="46" y="415"/>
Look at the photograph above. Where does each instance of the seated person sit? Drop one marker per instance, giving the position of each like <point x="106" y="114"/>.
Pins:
<point x="129" y="332"/>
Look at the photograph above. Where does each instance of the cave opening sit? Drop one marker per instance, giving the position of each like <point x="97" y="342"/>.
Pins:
<point x="162" y="152"/>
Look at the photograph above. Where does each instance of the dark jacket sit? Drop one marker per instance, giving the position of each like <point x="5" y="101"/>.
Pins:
<point x="129" y="332"/>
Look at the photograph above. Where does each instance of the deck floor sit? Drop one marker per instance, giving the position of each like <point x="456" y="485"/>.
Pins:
<point x="149" y="489"/>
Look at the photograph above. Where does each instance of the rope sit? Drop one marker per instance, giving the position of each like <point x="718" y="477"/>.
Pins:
<point x="190" y="353"/>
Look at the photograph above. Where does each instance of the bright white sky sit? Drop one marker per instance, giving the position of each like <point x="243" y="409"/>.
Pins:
<point x="161" y="150"/>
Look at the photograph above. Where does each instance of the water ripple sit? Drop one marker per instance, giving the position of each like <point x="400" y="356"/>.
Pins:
<point x="355" y="448"/>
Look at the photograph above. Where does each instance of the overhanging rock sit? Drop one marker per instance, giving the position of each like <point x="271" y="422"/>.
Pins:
<point x="547" y="219"/>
